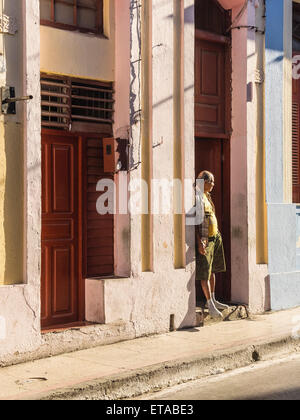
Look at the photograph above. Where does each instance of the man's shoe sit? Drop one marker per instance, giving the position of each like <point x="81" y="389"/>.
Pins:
<point x="213" y="311"/>
<point x="220" y="306"/>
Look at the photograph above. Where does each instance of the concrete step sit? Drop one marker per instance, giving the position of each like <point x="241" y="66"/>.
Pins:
<point x="233" y="313"/>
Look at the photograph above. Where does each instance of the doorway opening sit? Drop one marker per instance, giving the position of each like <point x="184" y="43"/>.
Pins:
<point x="77" y="242"/>
<point x="213" y="119"/>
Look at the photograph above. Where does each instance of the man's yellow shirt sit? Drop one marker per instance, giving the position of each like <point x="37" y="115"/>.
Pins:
<point x="209" y="211"/>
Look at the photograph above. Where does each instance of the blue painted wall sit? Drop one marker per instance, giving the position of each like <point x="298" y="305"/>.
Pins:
<point x="282" y="218"/>
<point x="274" y="101"/>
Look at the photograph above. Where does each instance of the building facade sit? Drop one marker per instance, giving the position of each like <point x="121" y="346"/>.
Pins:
<point x="130" y="101"/>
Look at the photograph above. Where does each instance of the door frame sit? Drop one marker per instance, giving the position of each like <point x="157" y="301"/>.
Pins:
<point x="80" y="285"/>
<point x="225" y="138"/>
<point x="81" y="202"/>
<point x="225" y="222"/>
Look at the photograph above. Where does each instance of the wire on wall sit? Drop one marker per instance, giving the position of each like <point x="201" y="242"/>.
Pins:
<point x="238" y="17"/>
<point x="137" y="113"/>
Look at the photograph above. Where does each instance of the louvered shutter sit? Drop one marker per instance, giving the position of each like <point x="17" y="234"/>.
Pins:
<point x="295" y="153"/>
<point x="296" y="141"/>
<point x="68" y="102"/>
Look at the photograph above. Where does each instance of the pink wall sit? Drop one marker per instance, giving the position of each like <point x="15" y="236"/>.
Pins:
<point x="121" y="126"/>
<point x="239" y="223"/>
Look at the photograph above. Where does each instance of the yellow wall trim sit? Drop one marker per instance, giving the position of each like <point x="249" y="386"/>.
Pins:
<point x="147" y="133"/>
<point x="178" y="119"/>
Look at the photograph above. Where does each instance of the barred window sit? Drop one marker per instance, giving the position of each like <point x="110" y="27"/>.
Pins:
<point x="66" y="102"/>
<point x="81" y="15"/>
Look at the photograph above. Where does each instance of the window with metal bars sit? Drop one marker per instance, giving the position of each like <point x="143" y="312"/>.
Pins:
<point x="69" y="101"/>
<point x="81" y="15"/>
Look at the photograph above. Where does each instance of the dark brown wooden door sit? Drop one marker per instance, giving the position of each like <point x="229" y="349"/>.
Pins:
<point x="60" y="230"/>
<point x="99" y="229"/>
<point x="209" y="88"/>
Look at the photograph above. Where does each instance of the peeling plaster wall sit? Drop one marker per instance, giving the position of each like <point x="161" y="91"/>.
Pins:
<point x="249" y="279"/>
<point x="148" y="299"/>
<point x="239" y="187"/>
<point x="258" y="273"/>
<point x="11" y="156"/>
<point x="20" y="304"/>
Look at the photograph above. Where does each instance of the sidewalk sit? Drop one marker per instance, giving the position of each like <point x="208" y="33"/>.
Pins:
<point x="131" y="368"/>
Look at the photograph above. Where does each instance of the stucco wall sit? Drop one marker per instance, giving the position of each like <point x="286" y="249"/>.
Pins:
<point x="147" y="299"/>
<point x="11" y="157"/>
<point x="249" y="278"/>
<point x="77" y="54"/>
<point x="284" y="280"/>
<point x="20" y="304"/>
<point x="258" y="269"/>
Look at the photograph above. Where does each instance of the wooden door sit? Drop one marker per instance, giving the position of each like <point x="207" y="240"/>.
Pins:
<point x="98" y="229"/>
<point x="60" y="230"/>
<point x="209" y="88"/>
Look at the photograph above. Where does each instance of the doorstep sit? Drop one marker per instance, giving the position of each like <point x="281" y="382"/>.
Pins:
<point x="235" y="312"/>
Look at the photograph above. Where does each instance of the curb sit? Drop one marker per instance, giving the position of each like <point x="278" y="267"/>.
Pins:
<point x="163" y="375"/>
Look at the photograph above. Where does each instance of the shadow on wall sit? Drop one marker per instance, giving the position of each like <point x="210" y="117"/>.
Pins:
<point x="267" y="294"/>
<point x="13" y="203"/>
<point x="12" y="163"/>
<point x="190" y="319"/>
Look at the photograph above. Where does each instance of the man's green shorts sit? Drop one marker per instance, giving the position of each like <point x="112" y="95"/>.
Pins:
<point x="213" y="261"/>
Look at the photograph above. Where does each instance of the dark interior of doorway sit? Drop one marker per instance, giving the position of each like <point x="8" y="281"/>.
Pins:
<point x="213" y="118"/>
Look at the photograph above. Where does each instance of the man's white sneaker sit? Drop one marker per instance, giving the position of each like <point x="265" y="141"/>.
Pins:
<point x="213" y="311"/>
<point x="220" y="306"/>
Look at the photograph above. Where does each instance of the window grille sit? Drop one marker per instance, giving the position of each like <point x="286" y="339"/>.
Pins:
<point x="66" y="101"/>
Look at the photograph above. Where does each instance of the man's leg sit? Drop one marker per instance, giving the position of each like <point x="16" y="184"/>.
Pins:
<point x="212" y="283"/>
<point x="205" y="288"/>
<point x="218" y="305"/>
<point x="213" y="311"/>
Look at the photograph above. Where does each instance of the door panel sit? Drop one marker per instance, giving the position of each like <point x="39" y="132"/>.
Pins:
<point x="209" y="88"/>
<point x="60" y="225"/>
<point x="62" y="179"/>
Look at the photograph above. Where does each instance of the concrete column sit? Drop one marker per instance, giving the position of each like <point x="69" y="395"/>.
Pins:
<point x="20" y="304"/>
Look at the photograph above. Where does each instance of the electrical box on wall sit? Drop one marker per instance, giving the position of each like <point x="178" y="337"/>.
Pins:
<point x="115" y="155"/>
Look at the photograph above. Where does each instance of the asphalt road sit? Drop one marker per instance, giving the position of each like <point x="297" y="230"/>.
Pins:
<point x="272" y="380"/>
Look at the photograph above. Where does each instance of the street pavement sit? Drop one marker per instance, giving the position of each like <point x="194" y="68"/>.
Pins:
<point x="131" y="368"/>
<point x="271" y="380"/>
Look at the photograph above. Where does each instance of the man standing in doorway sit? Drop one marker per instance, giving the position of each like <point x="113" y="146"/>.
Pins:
<point x="210" y="251"/>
